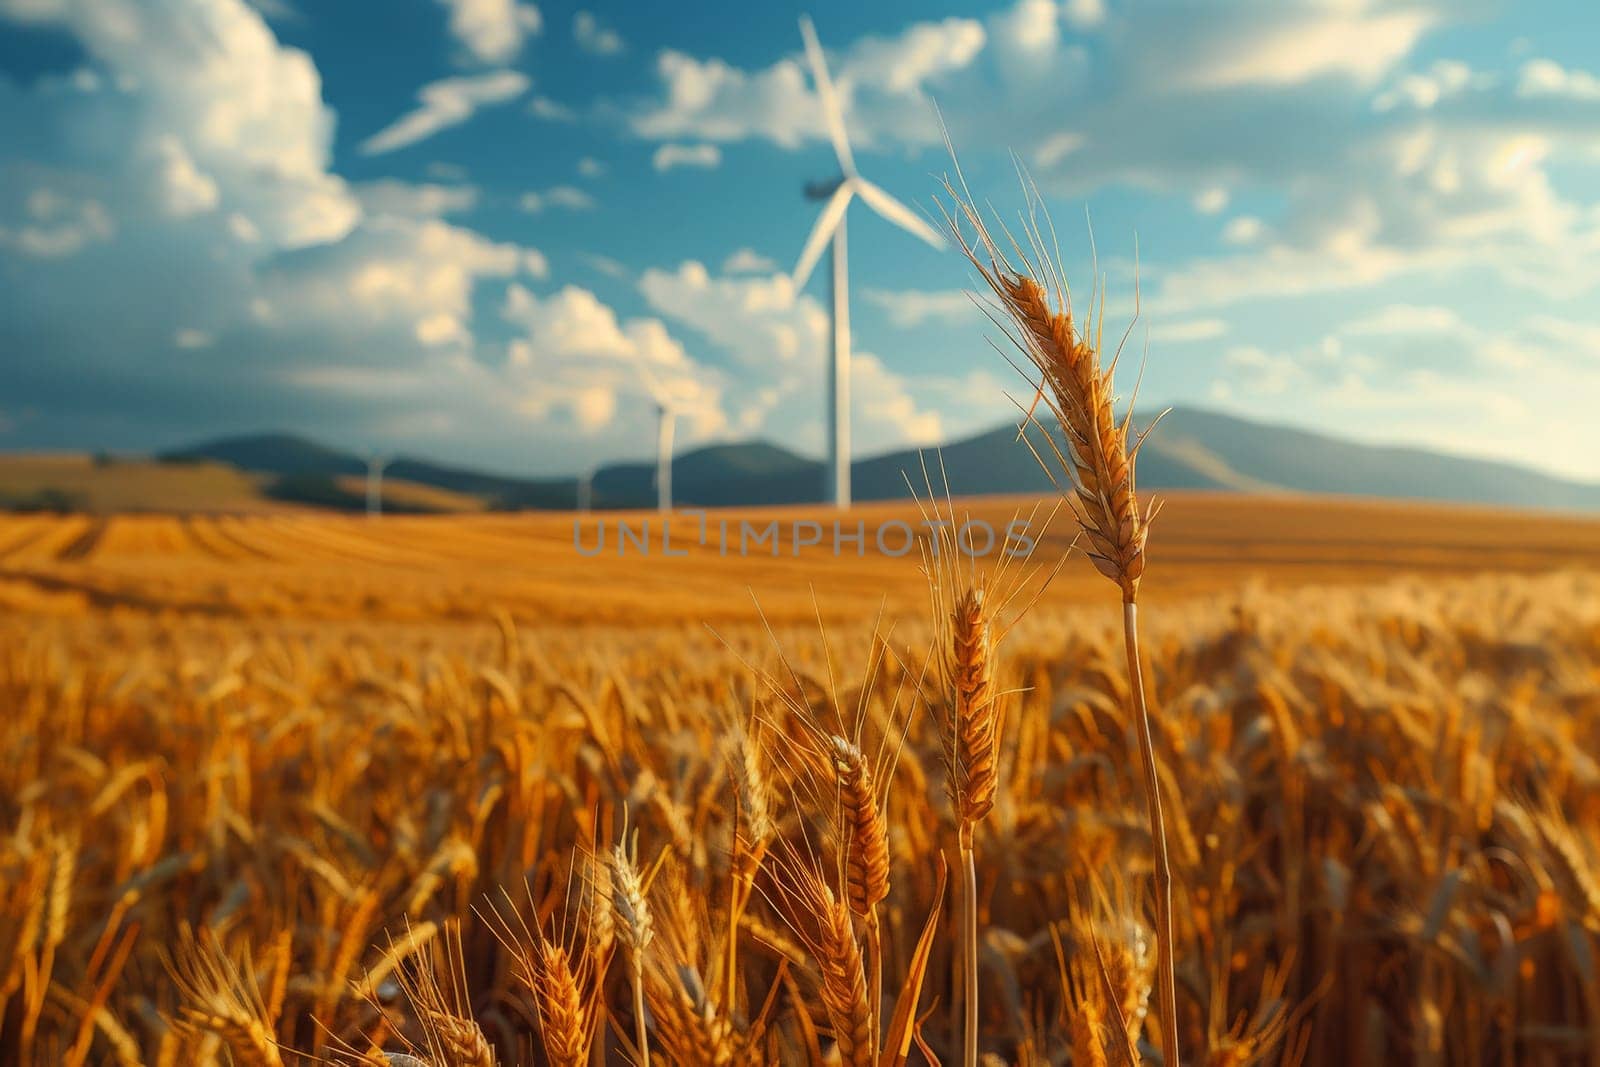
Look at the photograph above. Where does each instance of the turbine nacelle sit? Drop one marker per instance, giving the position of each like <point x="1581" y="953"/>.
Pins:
<point x="823" y="189"/>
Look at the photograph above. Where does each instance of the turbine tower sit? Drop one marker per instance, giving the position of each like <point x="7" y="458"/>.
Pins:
<point x="837" y="193"/>
<point x="585" y="490"/>
<point x="375" y="465"/>
<point x="666" y="416"/>
<point x="666" y="419"/>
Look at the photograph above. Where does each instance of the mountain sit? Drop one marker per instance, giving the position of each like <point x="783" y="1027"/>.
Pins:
<point x="1189" y="449"/>
<point x="270" y="453"/>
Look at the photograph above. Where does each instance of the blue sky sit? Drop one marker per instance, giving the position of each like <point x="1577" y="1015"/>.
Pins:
<point x="458" y="228"/>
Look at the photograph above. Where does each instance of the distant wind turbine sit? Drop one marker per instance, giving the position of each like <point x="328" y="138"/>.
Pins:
<point x="375" y="466"/>
<point x="831" y="223"/>
<point x="666" y="419"/>
<point x="585" y="490"/>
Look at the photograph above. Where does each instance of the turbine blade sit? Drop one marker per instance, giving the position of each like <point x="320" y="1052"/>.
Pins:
<point x="896" y="212"/>
<point x="827" y="222"/>
<point x="830" y="102"/>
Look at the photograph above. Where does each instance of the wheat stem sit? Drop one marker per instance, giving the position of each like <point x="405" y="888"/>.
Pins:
<point x="1165" y="951"/>
<point x="969" y="946"/>
<point x="875" y="978"/>
<point x="640" y="1031"/>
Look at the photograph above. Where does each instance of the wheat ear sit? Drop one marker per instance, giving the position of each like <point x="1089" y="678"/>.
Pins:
<point x="971" y="742"/>
<point x="865" y="839"/>
<point x="563" y="1014"/>
<point x="635" y="930"/>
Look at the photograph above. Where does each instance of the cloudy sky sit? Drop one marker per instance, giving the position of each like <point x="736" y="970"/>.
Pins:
<point x="460" y="227"/>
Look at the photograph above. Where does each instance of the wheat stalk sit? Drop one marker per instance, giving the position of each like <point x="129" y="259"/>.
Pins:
<point x="1098" y="467"/>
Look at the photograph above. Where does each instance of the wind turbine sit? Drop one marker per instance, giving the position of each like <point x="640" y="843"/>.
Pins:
<point x="585" y="490"/>
<point x="666" y="419"/>
<point x="837" y="193"/>
<point x="375" y="465"/>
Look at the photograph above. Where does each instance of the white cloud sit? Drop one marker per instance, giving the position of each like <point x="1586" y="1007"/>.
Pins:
<point x="446" y="103"/>
<point x="1243" y="230"/>
<point x="1445" y="79"/>
<point x="748" y="261"/>
<point x="389" y="196"/>
<point x="669" y="156"/>
<point x="1293" y="43"/>
<point x="1188" y="331"/>
<point x="187" y="190"/>
<point x="569" y="197"/>
<point x="550" y="110"/>
<point x="1544" y="77"/>
<point x="417" y="274"/>
<point x="711" y="100"/>
<point x="919" y="54"/>
<point x="882" y="397"/>
<point x="718" y="102"/>
<point x="575" y="353"/>
<point x="1381" y="168"/>
<point x="590" y="167"/>
<point x="606" y="265"/>
<point x="204" y="84"/>
<point x="54" y="225"/>
<point x="778" y="338"/>
<point x="594" y="37"/>
<point x="1418" y="374"/>
<point x="1084" y="14"/>
<point x="759" y="319"/>
<point x="910" y="308"/>
<point x="492" y="30"/>
<point x="1407" y="319"/>
<point x="196" y="140"/>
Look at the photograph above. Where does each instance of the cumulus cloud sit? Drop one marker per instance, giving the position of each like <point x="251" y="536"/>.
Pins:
<point x="1544" y="77"/>
<point x="748" y="261"/>
<point x="909" y="308"/>
<point x="881" y="398"/>
<point x="492" y="31"/>
<point x="392" y="271"/>
<point x="593" y="37"/>
<point x="574" y="353"/>
<point x="218" y="103"/>
<point x="704" y="156"/>
<point x="193" y="139"/>
<point x="778" y="338"/>
<point x="711" y="100"/>
<point x="757" y="318"/>
<point x="443" y="104"/>
<point x="1383" y="164"/>
<point x="389" y="196"/>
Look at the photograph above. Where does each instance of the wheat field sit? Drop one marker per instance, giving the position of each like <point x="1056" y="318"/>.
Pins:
<point x="293" y="789"/>
<point x="476" y="791"/>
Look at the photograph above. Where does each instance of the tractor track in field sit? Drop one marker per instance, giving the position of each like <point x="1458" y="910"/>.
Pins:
<point x="82" y="547"/>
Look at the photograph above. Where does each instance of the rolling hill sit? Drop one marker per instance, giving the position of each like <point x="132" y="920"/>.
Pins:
<point x="1190" y="449"/>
